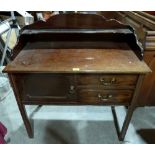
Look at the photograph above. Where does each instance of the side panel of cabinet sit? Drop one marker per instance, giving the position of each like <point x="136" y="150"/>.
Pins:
<point x="147" y="92"/>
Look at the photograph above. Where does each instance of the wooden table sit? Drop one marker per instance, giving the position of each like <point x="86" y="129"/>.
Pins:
<point x="77" y="59"/>
<point x="76" y="76"/>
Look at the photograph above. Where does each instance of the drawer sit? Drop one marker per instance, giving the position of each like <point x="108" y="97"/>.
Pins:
<point x="107" y="81"/>
<point x="119" y="97"/>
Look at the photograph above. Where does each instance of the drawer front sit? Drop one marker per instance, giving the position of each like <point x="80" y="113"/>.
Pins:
<point x="60" y="88"/>
<point x="120" y="97"/>
<point x="108" y="81"/>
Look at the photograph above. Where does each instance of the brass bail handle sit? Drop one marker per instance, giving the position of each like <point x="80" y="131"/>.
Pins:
<point x="104" y="97"/>
<point x="107" y="83"/>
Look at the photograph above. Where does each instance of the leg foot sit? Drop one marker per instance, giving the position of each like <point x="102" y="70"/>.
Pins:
<point x="26" y="121"/>
<point x="126" y="123"/>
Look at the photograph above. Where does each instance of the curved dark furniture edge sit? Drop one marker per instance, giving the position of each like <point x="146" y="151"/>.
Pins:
<point x="79" y="21"/>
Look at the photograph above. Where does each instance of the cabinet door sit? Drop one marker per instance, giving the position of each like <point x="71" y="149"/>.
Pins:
<point x="147" y="92"/>
<point x="46" y="88"/>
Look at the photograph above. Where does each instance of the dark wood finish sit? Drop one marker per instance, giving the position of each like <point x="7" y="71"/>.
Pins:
<point x="49" y="74"/>
<point x="108" y="81"/>
<point x="77" y="60"/>
<point x="104" y="97"/>
<point x="78" y="28"/>
<point x="144" y="25"/>
<point x="21" y="106"/>
<point x="131" y="108"/>
<point x="147" y="98"/>
<point x="145" y="30"/>
<point x="41" y="88"/>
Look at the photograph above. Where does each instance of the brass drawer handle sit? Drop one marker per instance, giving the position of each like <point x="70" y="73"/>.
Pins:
<point x="104" y="97"/>
<point x="107" y="83"/>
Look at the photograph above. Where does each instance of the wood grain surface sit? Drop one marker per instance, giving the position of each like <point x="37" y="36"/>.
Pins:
<point x="77" y="60"/>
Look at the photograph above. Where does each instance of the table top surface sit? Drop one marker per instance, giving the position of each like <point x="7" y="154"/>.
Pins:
<point x="77" y="61"/>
